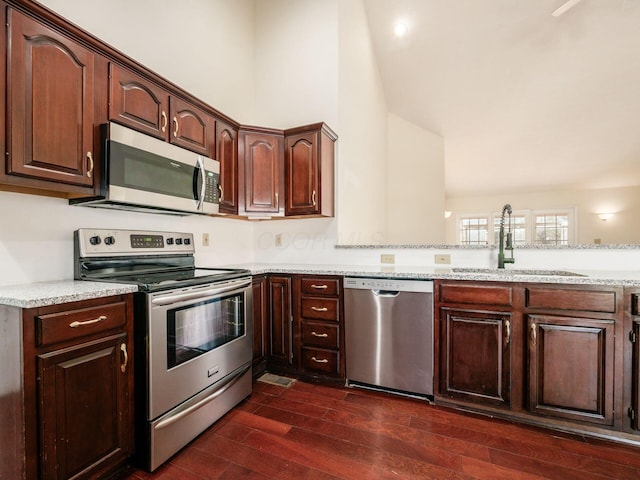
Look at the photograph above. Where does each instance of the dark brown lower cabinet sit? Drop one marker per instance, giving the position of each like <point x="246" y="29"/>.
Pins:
<point x="634" y="410"/>
<point x="83" y="393"/>
<point x="571" y="368"/>
<point x="280" y="352"/>
<point x="78" y="384"/>
<point x="476" y="356"/>
<point x="260" y="323"/>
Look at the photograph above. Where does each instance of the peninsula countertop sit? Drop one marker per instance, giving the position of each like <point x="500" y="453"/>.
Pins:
<point x="626" y="278"/>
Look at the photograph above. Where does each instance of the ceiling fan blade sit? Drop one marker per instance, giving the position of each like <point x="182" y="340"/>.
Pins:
<point x="564" y="7"/>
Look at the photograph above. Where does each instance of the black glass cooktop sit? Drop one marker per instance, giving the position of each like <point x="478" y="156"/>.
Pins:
<point x="149" y="282"/>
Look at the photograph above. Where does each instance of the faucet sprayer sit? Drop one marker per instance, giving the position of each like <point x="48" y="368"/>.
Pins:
<point x="506" y="210"/>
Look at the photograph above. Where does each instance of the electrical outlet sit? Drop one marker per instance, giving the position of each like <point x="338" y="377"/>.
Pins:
<point x="205" y="239"/>
<point x="387" y="258"/>
<point x="442" y="259"/>
<point x="278" y="239"/>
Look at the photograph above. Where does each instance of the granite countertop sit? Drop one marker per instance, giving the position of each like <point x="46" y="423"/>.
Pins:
<point x="576" y="277"/>
<point x="56" y="292"/>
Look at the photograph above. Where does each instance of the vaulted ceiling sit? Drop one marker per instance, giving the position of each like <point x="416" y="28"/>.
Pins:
<point x="525" y="101"/>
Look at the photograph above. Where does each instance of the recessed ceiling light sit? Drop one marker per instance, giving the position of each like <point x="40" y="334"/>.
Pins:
<point x="400" y="29"/>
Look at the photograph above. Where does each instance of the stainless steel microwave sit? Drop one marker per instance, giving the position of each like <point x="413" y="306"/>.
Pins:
<point x="143" y="173"/>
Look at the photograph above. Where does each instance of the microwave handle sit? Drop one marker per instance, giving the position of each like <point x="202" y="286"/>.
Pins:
<point x="200" y="170"/>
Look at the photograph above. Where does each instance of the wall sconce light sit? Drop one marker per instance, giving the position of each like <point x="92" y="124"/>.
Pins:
<point x="605" y="216"/>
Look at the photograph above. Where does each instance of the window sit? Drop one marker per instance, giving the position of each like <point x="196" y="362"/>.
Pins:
<point x="474" y="231"/>
<point x="552" y="229"/>
<point x="528" y="227"/>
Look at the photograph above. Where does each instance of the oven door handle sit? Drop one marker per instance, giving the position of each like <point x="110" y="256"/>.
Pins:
<point x="169" y="299"/>
<point x="187" y="411"/>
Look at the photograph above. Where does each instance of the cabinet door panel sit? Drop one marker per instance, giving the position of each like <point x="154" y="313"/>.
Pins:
<point x="227" y="155"/>
<point x="260" y="317"/>
<point x="476" y="350"/>
<point x="635" y="372"/>
<point x="82" y="418"/>
<point x="137" y="103"/>
<point x="301" y="164"/>
<point x="571" y="368"/>
<point x="263" y="173"/>
<point x="280" y="324"/>
<point x="192" y="128"/>
<point x="50" y="93"/>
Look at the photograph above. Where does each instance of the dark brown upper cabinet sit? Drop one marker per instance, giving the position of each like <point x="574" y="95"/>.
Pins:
<point x="227" y="155"/>
<point x="140" y="104"/>
<point x="309" y="170"/>
<point x="51" y="110"/>
<point x="261" y="172"/>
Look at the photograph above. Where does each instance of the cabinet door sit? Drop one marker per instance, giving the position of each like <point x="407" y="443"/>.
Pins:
<point x="227" y="155"/>
<point x="475" y="363"/>
<point x="571" y="368"/>
<point x="137" y="103"/>
<point x="301" y="173"/>
<point x="280" y="321"/>
<point x="50" y="102"/>
<point x="83" y="408"/>
<point x="635" y="372"/>
<point x="260" y="323"/>
<point x="263" y="156"/>
<point x="192" y="128"/>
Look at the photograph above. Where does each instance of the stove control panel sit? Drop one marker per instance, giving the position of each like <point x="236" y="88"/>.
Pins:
<point x="92" y="242"/>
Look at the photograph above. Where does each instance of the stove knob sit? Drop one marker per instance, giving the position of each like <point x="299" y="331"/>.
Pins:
<point x="178" y="241"/>
<point x="109" y="240"/>
<point x="187" y="241"/>
<point x="169" y="241"/>
<point x="95" y="240"/>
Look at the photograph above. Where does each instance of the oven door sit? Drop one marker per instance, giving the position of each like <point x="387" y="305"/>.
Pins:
<point x="197" y="336"/>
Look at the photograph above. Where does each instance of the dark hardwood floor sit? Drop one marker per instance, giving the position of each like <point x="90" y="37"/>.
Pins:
<point x="317" y="432"/>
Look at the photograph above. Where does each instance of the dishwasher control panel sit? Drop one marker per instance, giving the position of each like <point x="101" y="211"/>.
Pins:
<point x="390" y="284"/>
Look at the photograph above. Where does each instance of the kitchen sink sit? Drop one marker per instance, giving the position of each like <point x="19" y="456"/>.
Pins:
<point x="507" y="272"/>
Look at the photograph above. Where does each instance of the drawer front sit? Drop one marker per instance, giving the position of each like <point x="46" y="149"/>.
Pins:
<point x="320" y="334"/>
<point x="479" y="295"/>
<point x="320" y="308"/>
<point x="68" y="325"/>
<point x="568" y="299"/>
<point x="320" y="286"/>
<point x="320" y="360"/>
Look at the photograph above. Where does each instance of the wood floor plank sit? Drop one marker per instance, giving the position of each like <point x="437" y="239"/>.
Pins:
<point x="320" y="432"/>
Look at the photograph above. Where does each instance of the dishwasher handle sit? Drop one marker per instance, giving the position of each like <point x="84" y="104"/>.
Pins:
<point x="386" y="293"/>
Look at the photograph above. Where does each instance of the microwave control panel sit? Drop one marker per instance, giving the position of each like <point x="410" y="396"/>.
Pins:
<point x="211" y="190"/>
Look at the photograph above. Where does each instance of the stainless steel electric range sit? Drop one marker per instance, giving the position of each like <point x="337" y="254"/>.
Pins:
<point x="192" y="332"/>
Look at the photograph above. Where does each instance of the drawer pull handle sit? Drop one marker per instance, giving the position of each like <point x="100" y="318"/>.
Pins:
<point x="175" y="127"/>
<point x="164" y="121"/>
<point x="313" y="198"/>
<point x="77" y="324"/>
<point x="123" y="349"/>
<point x="319" y="287"/>
<point x="321" y="335"/>
<point x="321" y="360"/>
<point x="319" y="309"/>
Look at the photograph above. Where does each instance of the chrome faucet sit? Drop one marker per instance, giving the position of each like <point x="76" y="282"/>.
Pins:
<point x="509" y="239"/>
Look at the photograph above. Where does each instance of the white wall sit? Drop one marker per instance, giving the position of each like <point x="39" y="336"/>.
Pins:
<point x="415" y="184"/>
<point x="622" y="228"/>
<point x="204" y="46"/>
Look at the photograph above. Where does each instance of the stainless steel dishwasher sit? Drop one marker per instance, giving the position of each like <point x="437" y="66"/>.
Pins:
<point x="389" y="334"/>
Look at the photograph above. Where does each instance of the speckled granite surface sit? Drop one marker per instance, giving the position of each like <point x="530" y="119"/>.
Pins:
<point x="52" y="293"/>
<point x="585" y="246"/>
<point x="581" y="277"/>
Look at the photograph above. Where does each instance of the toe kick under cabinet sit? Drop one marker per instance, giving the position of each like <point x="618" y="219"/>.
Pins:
<point x="555" y="355"/>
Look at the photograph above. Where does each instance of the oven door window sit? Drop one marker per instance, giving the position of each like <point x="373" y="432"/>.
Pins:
<point x="195" y="329"/>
